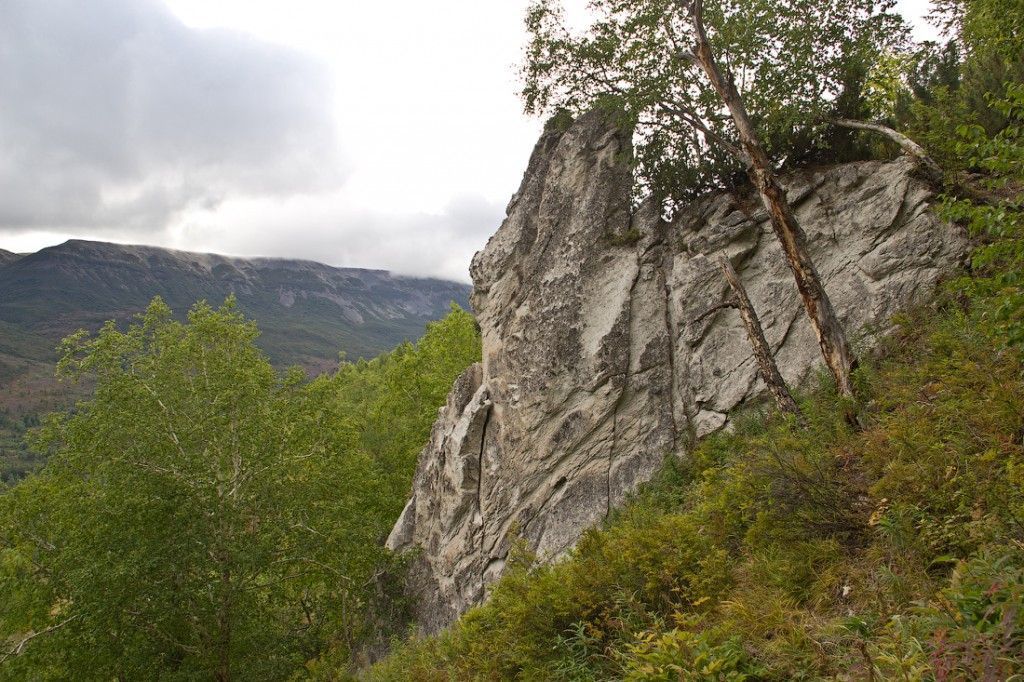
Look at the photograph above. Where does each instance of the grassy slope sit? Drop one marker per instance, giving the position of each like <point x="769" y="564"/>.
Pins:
<point x="891" y="552"/>
<point x="780" y="553"/>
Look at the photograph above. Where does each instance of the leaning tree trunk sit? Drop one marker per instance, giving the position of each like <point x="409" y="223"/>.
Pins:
<point x="762" y="351"/>
<point x="907" y="145"/>
<point x="932" y="171"/>
<point x="831" y="337"/>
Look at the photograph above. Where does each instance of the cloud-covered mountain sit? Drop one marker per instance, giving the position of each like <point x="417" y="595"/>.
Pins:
<point x="307" y="311"/>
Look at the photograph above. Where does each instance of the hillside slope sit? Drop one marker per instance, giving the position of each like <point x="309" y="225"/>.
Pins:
<point x="780" y="553"/>
<point x="308" y="313"/>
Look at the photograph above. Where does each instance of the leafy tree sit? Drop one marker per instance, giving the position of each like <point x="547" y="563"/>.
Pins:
<point x="998" y="261"/>
<point x="715" y="89"/>
<point x="199" y="518"/>
<point x="983" y="29"/>
<point x="947" y="85"/>
<point x="391" y="401"/>
<point x="991" y="37"/>
<point x="205" y="517"/>
<point x="791" y="62"/>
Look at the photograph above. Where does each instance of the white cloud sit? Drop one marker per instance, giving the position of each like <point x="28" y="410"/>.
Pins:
<point x="215" y="125"/>
<point x="437" y="243"/>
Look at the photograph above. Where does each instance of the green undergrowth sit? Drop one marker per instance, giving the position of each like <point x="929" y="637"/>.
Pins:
<point x="774" y="552"/>
<point x="777" y="552"/>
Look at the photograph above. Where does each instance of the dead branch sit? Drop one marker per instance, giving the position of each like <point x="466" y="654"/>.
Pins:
<point x="20" y="646"/>
<point x="762" y="351"/>
<point x="835" y="348"/>
<point x="731" y="303"/>
<point x="909" y="147"/>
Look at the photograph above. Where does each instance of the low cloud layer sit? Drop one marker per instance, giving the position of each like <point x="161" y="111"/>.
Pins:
<point x="117" y="118"/>
<point x="425" y="244"/>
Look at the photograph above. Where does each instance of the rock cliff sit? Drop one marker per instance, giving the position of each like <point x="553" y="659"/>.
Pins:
<point x="597" y="361"/>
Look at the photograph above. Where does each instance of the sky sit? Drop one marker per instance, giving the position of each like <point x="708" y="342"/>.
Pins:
<point x="382" y="135"/>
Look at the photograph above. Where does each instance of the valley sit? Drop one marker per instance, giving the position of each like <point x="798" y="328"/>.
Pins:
<point x="308" y="313"/>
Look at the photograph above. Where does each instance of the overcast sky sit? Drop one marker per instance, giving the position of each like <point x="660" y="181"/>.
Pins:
<point x="356" y="133"/>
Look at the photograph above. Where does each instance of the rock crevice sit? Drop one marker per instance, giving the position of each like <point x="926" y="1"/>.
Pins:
<point x="598" y="361"/>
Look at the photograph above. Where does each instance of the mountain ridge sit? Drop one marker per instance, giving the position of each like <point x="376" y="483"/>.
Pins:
<point x="7" y="257"/>
<point x="307" y="312"/>
<point x="141" y="249"/>
<point x="82" y="283"/>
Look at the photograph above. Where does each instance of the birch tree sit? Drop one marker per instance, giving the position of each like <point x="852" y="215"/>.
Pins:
<point x="199" y="517"/>
<point x="715" y="90"/>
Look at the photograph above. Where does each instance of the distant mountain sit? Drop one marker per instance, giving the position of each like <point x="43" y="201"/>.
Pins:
<point x="307" y="312"/>
<point x="8" y="257"/>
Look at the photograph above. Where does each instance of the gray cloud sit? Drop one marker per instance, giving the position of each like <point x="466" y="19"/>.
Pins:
<point x="427" y="244"/>
<point x="117" y="117"/>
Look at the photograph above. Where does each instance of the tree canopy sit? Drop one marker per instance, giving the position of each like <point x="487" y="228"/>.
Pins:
<point x="794" y="62"/>
<point x="203" y="516"/>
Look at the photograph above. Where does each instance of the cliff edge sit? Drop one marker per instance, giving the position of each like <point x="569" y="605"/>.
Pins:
<point x="598" y="360"/>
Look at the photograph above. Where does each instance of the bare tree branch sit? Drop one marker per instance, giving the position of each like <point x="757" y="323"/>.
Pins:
<point x="731" y="303"/>
<point x="909" y="147"/>
<point x="762" y="351"/>
<point x="20" y="646"/>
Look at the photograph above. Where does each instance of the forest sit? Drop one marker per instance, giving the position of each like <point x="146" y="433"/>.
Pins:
<point x="202" y="516"/>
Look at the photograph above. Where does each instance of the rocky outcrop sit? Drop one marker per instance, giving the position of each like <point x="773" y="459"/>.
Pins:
<point x="597" y="360"/>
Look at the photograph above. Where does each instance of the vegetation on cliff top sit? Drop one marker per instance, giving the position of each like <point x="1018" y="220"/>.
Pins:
<point x="795" y="63"/>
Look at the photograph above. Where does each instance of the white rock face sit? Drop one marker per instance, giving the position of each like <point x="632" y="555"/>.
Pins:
<point x="595" y="367"/>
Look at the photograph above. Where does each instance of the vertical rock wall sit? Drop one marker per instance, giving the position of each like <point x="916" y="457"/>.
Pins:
<point x="595" y="364"/>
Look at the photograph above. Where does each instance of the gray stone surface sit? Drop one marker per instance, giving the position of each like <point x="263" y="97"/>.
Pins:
<point x="595" y="367"/>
